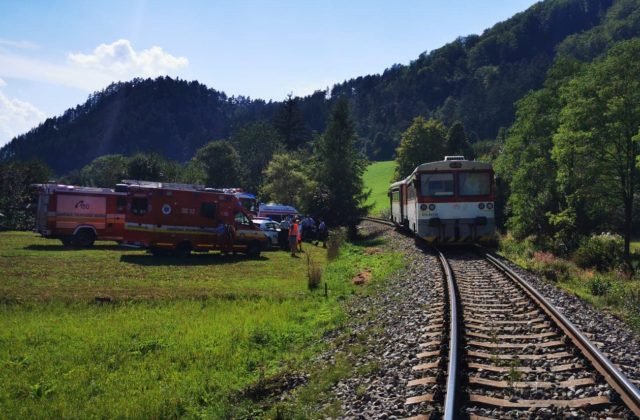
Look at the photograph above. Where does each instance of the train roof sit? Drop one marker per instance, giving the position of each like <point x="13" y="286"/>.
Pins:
<point x="452" y="164"/>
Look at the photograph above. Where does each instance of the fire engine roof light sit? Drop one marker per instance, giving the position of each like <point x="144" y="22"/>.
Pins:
<point x="448" y="158"/>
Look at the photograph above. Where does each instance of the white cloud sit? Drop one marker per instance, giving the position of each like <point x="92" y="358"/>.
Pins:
<point x="16" y="117"/>
<point x="89" y="72"/>
<point x="120" y="59"/>
<point x="23" y="45"/>
<point x="2" y="83"/>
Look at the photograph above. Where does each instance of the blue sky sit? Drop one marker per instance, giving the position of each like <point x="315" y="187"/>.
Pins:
<point x="54" y="53"/>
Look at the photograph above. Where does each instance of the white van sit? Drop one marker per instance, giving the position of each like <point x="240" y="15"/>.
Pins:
<point x="276" y="212"/>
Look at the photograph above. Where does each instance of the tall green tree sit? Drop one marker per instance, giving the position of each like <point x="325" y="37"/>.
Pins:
<point x="596" y="145"/>
<point x="146" y="166"/>
<point x="16" y="193"/>
<point x="424" y="141"/>
<point x="339" y="167"/>
<point x="256" y="143"/>
<point x="217" y="165"/>
<point x="525" y="166"/>
<point x="104" y="171"/>
<point x="457" y="142"/>
<point x="290" y="123"/>
<point x="287" y="182"/>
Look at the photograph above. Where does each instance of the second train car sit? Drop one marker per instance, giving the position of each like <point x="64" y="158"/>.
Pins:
<point x="450" y="201"/>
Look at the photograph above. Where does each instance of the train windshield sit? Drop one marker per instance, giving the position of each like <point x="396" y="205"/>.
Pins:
<point x="474" y="183"/>
<point x="437" y="185"/>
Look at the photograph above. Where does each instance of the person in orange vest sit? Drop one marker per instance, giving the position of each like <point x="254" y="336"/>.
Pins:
<point x="294" y="229"/>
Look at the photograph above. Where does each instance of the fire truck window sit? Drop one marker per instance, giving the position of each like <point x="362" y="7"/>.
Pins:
<point x="437" y="185"/>
<point x="209" y="210"/>
<point x="241" y="219"/>
<point x="474" y="183"/>
<point x="139" y="206"/>
<point x="121" y="204"/>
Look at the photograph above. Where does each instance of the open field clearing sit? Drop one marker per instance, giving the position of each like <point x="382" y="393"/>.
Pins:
<point x="378" y="177"/>
<point x="107" y="332"/>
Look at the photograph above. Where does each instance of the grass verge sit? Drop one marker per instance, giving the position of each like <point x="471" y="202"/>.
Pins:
<point x="377" y="177"/>
<point x="611" y="290"/>
<point x="107" y="332"/>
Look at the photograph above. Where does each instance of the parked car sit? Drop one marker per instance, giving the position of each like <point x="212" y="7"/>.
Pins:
<point x="270" y="228"/>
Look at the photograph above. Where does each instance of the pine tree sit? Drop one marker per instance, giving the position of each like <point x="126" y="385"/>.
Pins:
<point x="340" y="168"/>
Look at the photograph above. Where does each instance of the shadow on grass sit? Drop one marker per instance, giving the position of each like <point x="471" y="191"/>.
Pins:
<point x="191" y="260"/>
<point x="71" y="248"/>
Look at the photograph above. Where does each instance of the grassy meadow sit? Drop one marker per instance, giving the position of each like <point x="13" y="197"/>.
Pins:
<point x="108" y="332"/>
<point x="377" y="177"/>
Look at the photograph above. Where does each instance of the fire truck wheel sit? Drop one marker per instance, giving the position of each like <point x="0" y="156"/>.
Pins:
<point x="66" y="240"/>
<point x="84" y="238"/>
<point x="183" y="249"/>
<point x="253" y="250"/>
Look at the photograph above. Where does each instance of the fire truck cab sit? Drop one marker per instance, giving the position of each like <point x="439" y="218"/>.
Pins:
<point x="79" y="215"/>
<point x="171" y="218"/>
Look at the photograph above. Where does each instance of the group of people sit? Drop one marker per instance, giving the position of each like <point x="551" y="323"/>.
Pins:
<point x="296" y="230"/>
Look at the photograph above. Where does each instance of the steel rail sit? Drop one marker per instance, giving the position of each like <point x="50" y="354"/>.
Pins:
<point x="450" y="406"/>
<point x="618" y="381"/>
<point x="378" y="220"/>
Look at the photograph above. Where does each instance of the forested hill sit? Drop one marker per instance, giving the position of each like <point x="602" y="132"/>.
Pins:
<point x="475" y="79"/>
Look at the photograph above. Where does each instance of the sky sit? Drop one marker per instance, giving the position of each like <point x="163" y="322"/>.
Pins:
<point x="54" y="53"/>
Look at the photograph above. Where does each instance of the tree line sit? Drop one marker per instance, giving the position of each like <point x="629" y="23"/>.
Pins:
<point x="323" y="177"/>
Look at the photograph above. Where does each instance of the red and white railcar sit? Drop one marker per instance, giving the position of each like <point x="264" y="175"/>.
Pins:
<point x="447" y="201"/>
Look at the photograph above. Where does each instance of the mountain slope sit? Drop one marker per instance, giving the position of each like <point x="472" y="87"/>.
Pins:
<point x="475" y="79"/>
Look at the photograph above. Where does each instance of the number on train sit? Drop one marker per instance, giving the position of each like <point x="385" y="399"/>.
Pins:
<point x="449" y="201"/>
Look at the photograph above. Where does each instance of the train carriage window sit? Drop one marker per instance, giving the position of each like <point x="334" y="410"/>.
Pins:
<point x="437" y="185"/>
<point x="209" y="210"/>
<point x="139" y="206"/>
<point x="474" y="183"/>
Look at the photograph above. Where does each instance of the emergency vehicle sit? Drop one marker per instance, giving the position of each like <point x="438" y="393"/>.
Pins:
<point x="276" y="212"/>
<point x="171" y="218"/>
<point x="79" y="215"/>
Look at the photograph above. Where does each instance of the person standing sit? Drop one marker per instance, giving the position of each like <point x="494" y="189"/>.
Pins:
<point x="322" y="233"/>
<point x="283" y="237"/>
<point x="293" y="237"/>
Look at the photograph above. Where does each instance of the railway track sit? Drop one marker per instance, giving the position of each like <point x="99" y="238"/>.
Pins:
<point x="498" y="349"/>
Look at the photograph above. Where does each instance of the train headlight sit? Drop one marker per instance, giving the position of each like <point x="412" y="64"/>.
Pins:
<point x="489" y="206"/>
<point x="423" y="207"/>
<point x="481" y="206"/>
<point x="432" y="207"/>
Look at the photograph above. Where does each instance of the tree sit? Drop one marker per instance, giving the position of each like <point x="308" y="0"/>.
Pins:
<point x="256" y="143"/>
<point x="339" y="167"/>
<point x="286" y="182"/>
<point x="525" y="165"/>
<point x="105" y="171"/>
<point x="146" y="166"/>
<point x="457" y="142"/>
<point x="218" y="165"/>
<point x="290" y="124"/>
<point x="16" y="194"/>
<point x="422" y="142"/>
<point x="596" y="145"/>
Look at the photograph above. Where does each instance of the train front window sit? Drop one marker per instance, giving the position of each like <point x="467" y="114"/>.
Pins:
<point x="437" y="185"/>
<point x="474" y="183"/>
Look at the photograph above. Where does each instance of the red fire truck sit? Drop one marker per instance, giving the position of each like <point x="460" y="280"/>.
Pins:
<point x="171" y="218"/>
<point x="79" y="215"/>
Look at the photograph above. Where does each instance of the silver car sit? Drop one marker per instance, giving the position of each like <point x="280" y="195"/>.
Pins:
<point x="270" y="228"/>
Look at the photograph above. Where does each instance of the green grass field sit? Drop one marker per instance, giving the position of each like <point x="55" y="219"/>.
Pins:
<point x="377" y="177"/>
<point x="107" y="332"/>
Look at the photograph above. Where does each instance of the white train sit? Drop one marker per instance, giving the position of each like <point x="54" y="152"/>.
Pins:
<point x="451" y="201"/>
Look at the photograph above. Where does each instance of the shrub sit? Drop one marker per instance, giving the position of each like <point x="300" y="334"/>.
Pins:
<point x="314" y="274"/>
<point x="336" y="238"/>
<point x="602" y="252"/>
<point x="600" y="286"/>
<point x="385" y="213"/>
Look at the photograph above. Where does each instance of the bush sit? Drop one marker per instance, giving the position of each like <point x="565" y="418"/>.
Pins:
<point x="314" y="274"/>
<point x="336" y="238"/>
<point x="602" y="252"/>
<point x="550" y="267"/>
<point x="600" y="286"/>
